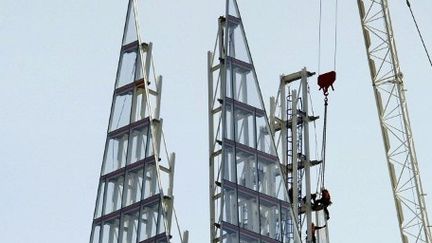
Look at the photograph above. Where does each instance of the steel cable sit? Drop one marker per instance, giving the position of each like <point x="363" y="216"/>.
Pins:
<point x="419" y="32"/>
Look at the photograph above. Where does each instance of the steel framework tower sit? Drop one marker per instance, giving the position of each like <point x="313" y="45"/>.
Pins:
<point x="387" y="82"/>
<point x="134" y="201"/>
<point x="289" y="121"/>
<point x="248" y="197"/>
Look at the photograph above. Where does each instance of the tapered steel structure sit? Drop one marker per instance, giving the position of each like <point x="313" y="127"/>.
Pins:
<point x="134" y="199"/>
<point x="248" y="197"/>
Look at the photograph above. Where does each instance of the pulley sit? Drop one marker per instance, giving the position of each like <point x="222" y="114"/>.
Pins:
<point x="326" y="80"/>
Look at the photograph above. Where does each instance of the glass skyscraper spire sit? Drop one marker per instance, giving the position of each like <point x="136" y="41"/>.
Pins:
<point x="134" y="199"/>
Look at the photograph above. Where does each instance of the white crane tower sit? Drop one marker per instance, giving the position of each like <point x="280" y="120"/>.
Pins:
<point x="388" y="86"/>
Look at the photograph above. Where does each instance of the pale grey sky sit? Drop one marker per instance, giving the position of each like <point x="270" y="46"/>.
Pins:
<point x="57" y="66"/>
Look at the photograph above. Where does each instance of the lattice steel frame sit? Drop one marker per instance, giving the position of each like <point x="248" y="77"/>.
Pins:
<point x="388" y="86"/>
<point x="291" y="135"/>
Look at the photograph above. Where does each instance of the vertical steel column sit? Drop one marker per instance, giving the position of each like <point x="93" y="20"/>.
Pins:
<point x="214" y="113"/>
<point x="294" y="187"/>
<point x="283" y="128"/>
<point x="305" y="105"/>
<point x="211" y="148"/>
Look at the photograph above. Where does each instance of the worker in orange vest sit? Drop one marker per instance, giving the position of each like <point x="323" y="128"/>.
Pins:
<point x="324" y="202"/>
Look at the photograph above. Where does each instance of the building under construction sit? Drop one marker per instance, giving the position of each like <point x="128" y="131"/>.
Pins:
<point x="265" y="183"/>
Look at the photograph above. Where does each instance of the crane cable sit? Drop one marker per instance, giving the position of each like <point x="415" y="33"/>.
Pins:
<point x="319" y="36"/>
<point x="335" y="35"/>
<point x="324" y="143"/>
<point x="324" y="139"/>
<point x="419" y="32"/>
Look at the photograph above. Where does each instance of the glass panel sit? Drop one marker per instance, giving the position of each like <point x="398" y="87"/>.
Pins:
<point x="133" y="186"/>
<point x="232" y="9"/>
<point x="269" y="218"/>
<point x="252" y="97"/>
<point x="99" y="202"/>
<point x="139" y="66"/>
<point x="150" y="145"/>
<point x="245" y="127"/>
<point x="228" y="83"/>
<point x="96" y="234"/>
<point x="246" y="169"/>
<point x="268" y="171"/>
<point x="229" y="210"/>
<point x="150" y="181"/>
<point x="138" y="144"/>
<point x="281" y="192"/>
<point x="139" y="112"/>
<point x="130" y="34"/>
<point x="286" y="224"/>
<point x="121" y="111"/>
<point x="114" y="194"/>
<point x="248" y="211"/>
<point x="110" y="231"/>
<point x="127" y="68"/>
<point x="115" y="154"/>
<point x="130" y="227"/>
<point x="161" y="223"/>
<point x="229" y="125"/>
<point x="237" y="46"/>
<point x="245" y="89"/>
<point x="229" y="236"/>
<point x="229" y="170"/>
<point x="264" y="142"/>
<point x="149" y="221"/>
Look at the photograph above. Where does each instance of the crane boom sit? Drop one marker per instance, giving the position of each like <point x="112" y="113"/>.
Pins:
<point x="388" y="86"/>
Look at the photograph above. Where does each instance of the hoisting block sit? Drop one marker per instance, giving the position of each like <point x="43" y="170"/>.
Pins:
<point x="326" y="80"/>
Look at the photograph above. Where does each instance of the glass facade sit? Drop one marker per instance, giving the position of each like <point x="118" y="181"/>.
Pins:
<point x="254" y="204"/>
<point x="129" y="201"/>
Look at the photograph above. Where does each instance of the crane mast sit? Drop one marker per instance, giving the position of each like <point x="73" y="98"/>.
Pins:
<point x="388" y="86"/>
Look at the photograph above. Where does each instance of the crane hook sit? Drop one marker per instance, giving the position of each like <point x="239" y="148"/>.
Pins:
<point x="325" y="81"/>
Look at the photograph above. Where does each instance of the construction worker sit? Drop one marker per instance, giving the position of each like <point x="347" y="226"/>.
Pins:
<point x="314" y="229"/>
<point x="324" y="202"/>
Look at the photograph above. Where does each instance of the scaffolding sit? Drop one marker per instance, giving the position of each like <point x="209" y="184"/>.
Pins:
<point x="289" y="121"/>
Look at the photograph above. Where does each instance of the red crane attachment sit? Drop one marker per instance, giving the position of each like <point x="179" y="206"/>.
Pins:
<point x="326" y="80"/>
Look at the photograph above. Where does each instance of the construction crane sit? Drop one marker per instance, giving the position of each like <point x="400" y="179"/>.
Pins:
<point x="388" y="86"/>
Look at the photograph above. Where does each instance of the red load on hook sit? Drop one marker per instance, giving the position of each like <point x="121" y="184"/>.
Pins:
<point x="326" y="80"/>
